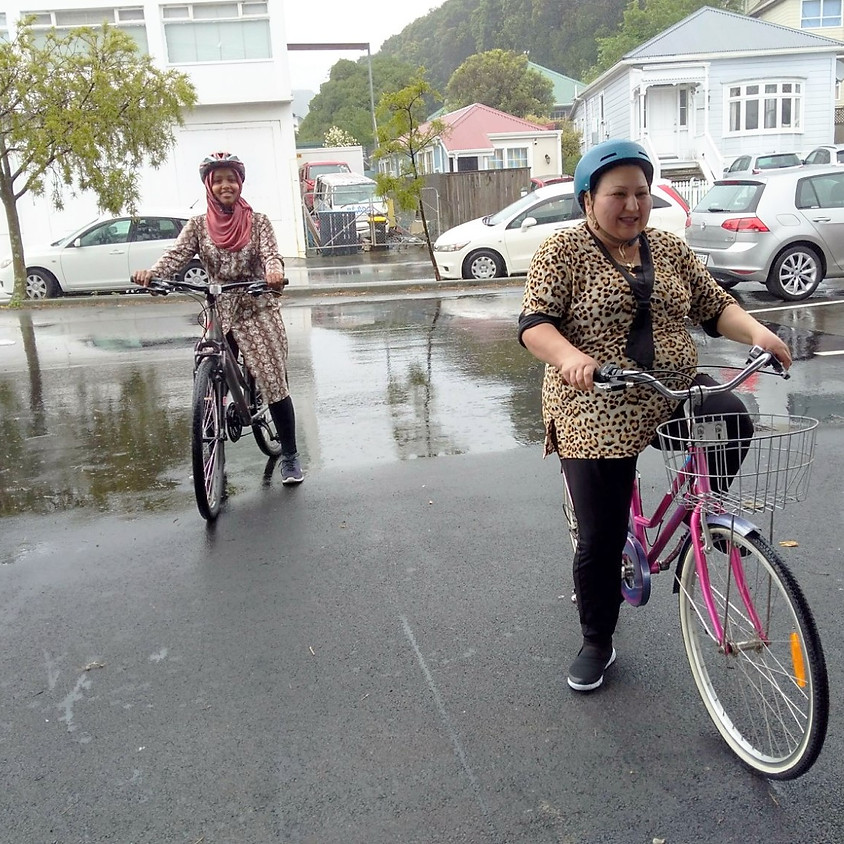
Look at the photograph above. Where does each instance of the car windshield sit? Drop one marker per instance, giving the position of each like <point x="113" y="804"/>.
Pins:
<point x="731" y="197"/>
<point x="354" y="194"/>
<point x="322" y="169"/>
<point x="516" y="207"/>
<point x="773" y="162"/>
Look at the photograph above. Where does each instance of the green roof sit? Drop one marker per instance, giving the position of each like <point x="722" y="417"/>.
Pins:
<point x="565" y="88"/>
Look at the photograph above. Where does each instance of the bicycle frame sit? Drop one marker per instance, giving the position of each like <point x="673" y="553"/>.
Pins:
<point x="214" y="343"/>
<point x="696" y="479"/>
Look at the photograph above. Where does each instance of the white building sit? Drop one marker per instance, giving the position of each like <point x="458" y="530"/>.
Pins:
<point x="235" y="53"/>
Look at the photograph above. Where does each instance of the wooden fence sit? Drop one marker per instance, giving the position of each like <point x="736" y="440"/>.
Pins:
<point x="454" y="198"/>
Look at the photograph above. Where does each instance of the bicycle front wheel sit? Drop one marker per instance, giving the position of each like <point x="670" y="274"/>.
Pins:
<point x="764" y="683"/>
<point x="207" y="445"/>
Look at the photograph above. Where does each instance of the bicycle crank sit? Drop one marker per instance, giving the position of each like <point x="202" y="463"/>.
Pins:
<point x="233" y="424"/>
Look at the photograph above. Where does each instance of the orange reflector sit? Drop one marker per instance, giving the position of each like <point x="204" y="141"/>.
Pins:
<point x="797" y="661"/>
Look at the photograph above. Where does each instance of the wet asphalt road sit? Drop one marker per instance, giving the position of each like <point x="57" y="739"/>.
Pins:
<point x="378" y="655"/>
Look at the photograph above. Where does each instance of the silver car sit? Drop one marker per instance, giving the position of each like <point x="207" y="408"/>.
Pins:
<point x="782" y="228"/>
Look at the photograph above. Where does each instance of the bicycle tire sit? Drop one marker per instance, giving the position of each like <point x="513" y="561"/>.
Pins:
<point x="264" y="430"/>
<point x="207" y="440"/>
<point x="767" y="694"/>
<point x="568" y="512"/>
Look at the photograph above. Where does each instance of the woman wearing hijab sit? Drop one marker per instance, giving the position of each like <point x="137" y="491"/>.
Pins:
<point x="236" y="243"/>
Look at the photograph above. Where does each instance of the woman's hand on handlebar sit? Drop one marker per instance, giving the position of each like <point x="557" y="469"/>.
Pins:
<point x="276" y="280"/>
<point x="142" y="277"/>
<point x="770" y="342"/>
<point x="577" y="370"/>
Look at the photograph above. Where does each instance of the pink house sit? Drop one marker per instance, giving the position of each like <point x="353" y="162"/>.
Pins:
<point x="482" y="138"/>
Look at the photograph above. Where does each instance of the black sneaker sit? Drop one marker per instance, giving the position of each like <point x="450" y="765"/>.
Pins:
<point x="587" y="670"/>
<point x="291" y="471"/>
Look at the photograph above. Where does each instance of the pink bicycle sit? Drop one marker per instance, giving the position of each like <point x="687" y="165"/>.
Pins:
<point x="749" y="635"/>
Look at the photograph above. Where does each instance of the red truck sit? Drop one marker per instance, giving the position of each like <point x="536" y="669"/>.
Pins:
<point x="310" y="170"/>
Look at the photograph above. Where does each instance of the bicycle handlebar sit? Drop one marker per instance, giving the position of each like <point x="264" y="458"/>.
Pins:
<point x="611" y="377"/>
<point x="163" y="286"/>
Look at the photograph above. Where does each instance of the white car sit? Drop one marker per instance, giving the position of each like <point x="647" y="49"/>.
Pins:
<point x="503" y="244"/>
<point x="5" y="292"/>
<point x="101" y="256"/>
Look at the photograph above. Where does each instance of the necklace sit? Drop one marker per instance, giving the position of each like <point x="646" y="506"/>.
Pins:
<point x="624" y="259"/>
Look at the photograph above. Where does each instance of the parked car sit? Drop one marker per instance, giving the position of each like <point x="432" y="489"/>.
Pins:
<point x="503" y="243"/>
<point x="100" y="256"/>
<point x="784" y="228"/>
<point x="5" y="291"/>
<point x="755" y="164"/>
<point x="308" y="173"/>
<point x="826" y="155"/>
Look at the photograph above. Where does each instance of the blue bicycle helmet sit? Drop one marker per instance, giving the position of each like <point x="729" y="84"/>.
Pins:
<point x="222" y="159"/>
<point x="604" y="157"/>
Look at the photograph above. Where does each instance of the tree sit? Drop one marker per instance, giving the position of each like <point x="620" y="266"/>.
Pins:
<point x="404" y="133"/>
<point x="641" y="21"/>
<point x="85" y="111"/>
<point x="500" y="79"/>
<point x="344" y="100"/>
<point x="337" y="137"/>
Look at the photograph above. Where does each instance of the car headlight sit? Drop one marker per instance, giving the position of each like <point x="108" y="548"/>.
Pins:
<point x="450" y="247"/>
<point x="5" y="262"/>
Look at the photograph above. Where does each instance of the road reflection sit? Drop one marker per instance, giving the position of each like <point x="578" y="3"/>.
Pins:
<point x="95" y="401"/>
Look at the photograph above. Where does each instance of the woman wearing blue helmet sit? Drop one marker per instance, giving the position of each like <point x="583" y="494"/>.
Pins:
<point x="612" y="290"/>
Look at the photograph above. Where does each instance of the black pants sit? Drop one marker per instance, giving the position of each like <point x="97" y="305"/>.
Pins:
<point x="601" y="490"/>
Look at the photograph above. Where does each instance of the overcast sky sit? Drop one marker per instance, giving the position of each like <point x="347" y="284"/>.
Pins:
<point x="351" y="21"/>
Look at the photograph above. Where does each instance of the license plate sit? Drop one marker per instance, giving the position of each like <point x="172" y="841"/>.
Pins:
<point x="703" y="257"/>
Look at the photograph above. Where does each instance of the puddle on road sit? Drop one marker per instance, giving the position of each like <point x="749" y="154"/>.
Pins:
<point x="95" y="413"/>
<point x="95" y="406"/>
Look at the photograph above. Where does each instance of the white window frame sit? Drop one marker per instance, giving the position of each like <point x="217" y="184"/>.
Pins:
<point x="516" y="157"/>
<point x="829" y="14"/>
<point x="233" y="15"/>
<point x="128" y="19"/>
<point x="760" y="107"/>
<point x="496" y="160"/>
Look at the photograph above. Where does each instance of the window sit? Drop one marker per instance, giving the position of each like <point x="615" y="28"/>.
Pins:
<point x="764" y="107"/>
<point x="517" y="157"/>
<point x="156" y="228"/>
<point x="825" y="191"/>
<point x="556" y="210"/>
<point x="217" y="32"/>
<point x="819" y="13"/>
<point x="683" y="115"/>
<point x="129" y="20"/>
<point x="496" y="160"/>
<point x="114" y="231"/>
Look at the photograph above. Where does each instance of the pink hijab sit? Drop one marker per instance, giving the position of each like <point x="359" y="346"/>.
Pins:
<point x="229" y="229"/>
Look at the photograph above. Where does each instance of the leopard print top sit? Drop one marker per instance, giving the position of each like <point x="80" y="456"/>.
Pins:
<point x="570" y="280"/>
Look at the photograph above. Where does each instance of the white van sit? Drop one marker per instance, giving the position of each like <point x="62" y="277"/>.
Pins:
<point x="349" y="192"/>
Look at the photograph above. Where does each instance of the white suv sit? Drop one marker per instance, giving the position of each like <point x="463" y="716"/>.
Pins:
<point x="502" y="244"/>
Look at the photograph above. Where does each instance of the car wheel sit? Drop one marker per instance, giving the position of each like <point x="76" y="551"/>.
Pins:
<point x="796" y="273"/>
<point x="484" y="264"/>
<point x="41" y="285"/>
<point x="195" y="273"/>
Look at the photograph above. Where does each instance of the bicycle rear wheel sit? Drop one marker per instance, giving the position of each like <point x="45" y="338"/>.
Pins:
<point x="207" y="444"/>
<point x="264" y="430"/>
<point x="765" y="685"/>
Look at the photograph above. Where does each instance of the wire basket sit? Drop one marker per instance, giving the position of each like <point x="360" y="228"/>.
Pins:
<point x="775" y="467"/>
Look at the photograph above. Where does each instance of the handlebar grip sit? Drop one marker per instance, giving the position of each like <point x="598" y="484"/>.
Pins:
<point x="606" y="373"/>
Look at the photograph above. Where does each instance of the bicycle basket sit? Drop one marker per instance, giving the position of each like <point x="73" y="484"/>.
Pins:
<point x="775" y="468"/>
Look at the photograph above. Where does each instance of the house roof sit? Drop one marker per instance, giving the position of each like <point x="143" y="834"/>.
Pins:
<point x="711" y="31"/>
<point x="471" y="126"/>
<point x="565" y="88"/>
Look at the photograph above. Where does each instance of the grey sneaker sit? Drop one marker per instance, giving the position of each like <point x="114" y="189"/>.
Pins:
<point x="291" y="471"/>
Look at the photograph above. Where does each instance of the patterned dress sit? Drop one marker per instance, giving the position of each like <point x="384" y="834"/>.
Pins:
<point x="254" y="321"/>
<point x="571" y="281"/>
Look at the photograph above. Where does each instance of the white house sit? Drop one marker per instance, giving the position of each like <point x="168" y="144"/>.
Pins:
<point x="235" y="53"/>
<point x="714" y="86"/>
